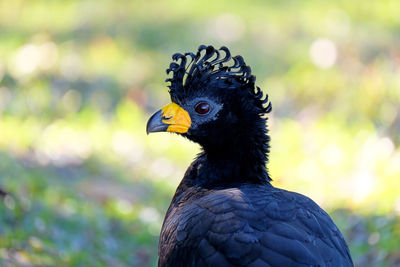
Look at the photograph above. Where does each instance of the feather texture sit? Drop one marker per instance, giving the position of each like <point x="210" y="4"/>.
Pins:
<point x="193" y="71"/>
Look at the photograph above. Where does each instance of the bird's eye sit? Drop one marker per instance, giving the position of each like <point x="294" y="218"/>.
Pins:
<point x="202" y="108"/>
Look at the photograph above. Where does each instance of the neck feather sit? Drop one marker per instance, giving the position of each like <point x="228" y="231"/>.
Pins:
<point x="239" y="158"/>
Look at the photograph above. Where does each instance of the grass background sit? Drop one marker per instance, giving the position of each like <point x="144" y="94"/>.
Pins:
<point x="82" y="185"/>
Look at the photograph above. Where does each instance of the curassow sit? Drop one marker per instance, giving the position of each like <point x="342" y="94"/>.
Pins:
<point x="225" y="212"/>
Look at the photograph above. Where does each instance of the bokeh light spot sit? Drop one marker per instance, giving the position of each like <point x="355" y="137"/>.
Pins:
<point x="323" y="53"/>
<point x="227" y="28"/>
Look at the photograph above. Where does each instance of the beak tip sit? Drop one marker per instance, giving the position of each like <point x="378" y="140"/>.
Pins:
<point x="155" y="123"/>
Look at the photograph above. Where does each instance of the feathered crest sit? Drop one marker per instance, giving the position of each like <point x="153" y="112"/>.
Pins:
<point x="213" y="67"/>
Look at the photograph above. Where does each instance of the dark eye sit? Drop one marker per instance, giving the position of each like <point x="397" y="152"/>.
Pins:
<point x="202" y="108"/>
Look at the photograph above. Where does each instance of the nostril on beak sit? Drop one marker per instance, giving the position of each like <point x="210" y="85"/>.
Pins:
<point x="166" y="118"/>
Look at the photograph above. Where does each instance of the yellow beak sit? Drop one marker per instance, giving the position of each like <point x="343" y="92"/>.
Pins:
<point x="171" y="118"/>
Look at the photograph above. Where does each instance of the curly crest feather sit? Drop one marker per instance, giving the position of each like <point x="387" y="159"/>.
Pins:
<point x="213" y="67"/>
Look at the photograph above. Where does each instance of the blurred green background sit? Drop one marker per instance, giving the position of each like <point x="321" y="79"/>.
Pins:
<point x="82" y="185"/>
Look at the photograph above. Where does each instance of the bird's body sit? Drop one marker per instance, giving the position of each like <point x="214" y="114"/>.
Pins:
<point x="225" y="212"/>
<point x="246" y="224"/>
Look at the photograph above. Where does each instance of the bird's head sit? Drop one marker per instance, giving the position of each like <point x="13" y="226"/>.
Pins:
<point x="214" y="99"/>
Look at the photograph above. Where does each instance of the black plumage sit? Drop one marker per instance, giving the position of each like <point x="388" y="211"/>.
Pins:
<point x="225" y="212"/>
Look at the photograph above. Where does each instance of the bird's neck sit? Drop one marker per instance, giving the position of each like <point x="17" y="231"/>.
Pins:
<point x="239" y="159"/>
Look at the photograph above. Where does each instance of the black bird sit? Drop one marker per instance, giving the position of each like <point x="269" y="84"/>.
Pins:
<point x="225" y="212"/>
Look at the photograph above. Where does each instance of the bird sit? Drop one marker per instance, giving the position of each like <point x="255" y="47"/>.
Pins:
<point x="225" y="211"/>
